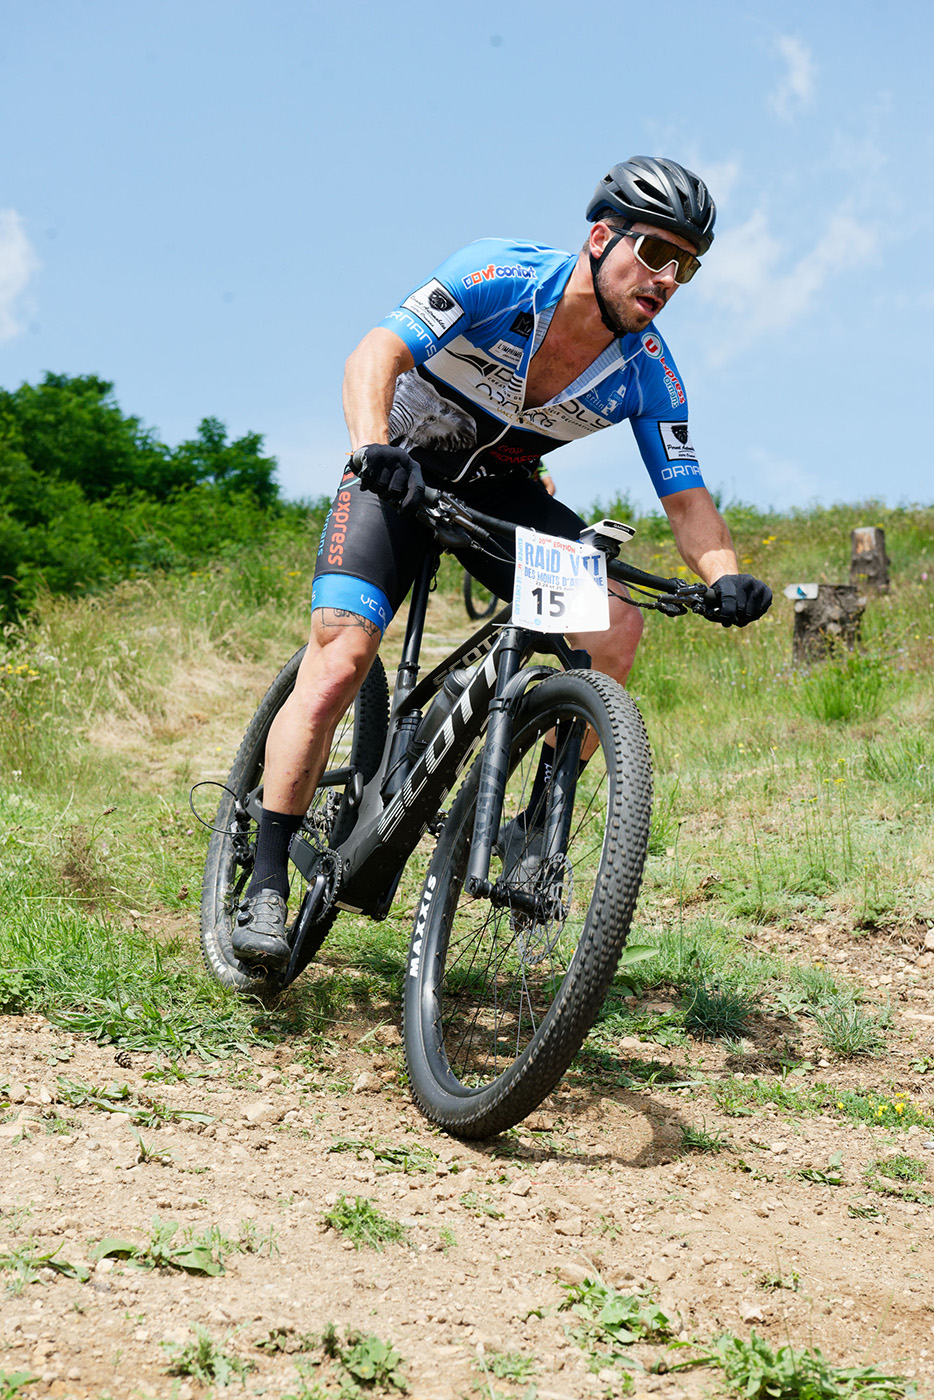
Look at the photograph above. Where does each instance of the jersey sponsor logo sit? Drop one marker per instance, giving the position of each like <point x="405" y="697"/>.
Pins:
<point x="434" y="305"/>
<point x="652" y="346"/>
<point x="676" y="440"/>
<point x="488" y="273"/>
<point x="523" y="325"/>
<point x="685" y="470"/>
<point x="672" y="384"/>
<point x="570" y="418"/>
<point x="504" y="351"/>
<point x="416" y="328"/>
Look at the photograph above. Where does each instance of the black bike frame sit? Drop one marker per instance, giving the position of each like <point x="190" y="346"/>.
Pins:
<point x="404" y="797"/>
<point x="400" y="802"/>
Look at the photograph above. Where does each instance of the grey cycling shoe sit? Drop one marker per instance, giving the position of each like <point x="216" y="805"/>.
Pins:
<point x="258" y="935"/>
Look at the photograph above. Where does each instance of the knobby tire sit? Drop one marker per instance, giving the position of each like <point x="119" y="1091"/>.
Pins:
<point x="496" y="1002"/>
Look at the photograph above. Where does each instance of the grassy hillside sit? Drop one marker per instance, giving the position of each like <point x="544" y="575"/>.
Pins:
<point x="784" y="800"/>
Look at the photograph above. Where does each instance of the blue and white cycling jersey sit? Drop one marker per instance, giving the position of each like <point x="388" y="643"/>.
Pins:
<point x="473" y="328"/>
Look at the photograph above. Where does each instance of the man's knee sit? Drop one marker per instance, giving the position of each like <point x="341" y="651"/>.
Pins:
<point x="340" y="652"/>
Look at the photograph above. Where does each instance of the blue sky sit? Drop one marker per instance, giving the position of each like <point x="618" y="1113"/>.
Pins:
<point x="210" y="201"/>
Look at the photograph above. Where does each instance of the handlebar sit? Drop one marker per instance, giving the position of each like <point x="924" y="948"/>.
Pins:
<point x="456" y="525"/>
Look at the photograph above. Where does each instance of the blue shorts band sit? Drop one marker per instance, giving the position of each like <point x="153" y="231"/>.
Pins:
<point x="352" y="595"/>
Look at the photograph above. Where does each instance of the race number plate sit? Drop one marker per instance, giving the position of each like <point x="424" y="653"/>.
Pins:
<point x="560" y="585"/>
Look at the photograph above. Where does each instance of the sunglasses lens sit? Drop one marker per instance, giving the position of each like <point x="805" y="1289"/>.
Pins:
<point x="657" y="253"/>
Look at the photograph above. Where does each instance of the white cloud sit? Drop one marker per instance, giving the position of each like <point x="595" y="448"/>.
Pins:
<point x="796" y="86"/>
<point x="749" y="296"/>
<point x="18" y="261"/>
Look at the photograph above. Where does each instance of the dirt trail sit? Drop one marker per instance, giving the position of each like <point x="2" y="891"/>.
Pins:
<point x="597" y="1184"/>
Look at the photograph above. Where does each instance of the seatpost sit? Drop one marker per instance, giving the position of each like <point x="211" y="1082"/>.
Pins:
<point x="414" y="629"/>
<point x="511" y="651"/>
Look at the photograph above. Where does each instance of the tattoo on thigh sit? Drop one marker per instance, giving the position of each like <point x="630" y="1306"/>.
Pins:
<point x="341" y="617"/>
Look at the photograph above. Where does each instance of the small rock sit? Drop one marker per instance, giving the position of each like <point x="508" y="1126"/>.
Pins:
<point x="574" y="1225"/>
<point x="519" y="1188"/>
<point x="568" y="1271"/>
<point x="751" y="1312"/>
<point x="539" y="1123"/>
<point x="262" y="1114"/>
<point x="367" y="1083"/>
<point x="929" y="941"/>
<point x="17" y="1092"/>
<point x="387" y="1035"/>
<point x="778" y="1148"/>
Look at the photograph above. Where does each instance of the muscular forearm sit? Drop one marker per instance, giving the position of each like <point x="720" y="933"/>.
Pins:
<point x="701" y="534"/>
<point x="369" y="381"/>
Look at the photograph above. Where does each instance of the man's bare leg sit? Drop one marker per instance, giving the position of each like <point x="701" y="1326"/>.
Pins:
<point x="340" y="651"/>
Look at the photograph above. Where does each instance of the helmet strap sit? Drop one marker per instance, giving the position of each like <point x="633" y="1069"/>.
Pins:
<point x="594" y="264"/>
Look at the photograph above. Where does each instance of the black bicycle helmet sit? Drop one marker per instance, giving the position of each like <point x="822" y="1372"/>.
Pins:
<point x="648" y="190"/>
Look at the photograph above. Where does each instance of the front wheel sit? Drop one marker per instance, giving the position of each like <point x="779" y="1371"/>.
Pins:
<point x="357" y="747"/>
<point x="500" y="996"/>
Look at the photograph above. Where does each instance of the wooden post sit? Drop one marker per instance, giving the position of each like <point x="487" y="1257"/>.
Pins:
<point x="826" y="623"/>
<point x="869" y="563"/>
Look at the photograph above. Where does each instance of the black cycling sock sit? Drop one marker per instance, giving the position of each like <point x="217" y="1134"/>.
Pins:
<point x="271" y="865"/>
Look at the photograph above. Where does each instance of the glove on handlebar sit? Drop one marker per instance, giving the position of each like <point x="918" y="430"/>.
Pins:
<point x="391" y="474"/>
<point x="741" y="599"/>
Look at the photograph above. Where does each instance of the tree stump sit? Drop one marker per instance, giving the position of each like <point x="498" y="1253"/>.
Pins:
<point x="869" y="563"/>
<point x="827" y="623"/>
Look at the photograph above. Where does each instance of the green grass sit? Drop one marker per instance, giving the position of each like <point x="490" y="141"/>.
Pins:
<point x="898" y="1176"/>
<point x="752" y="1369"/>
<point x="201" y="1254"/>
<point x="700" y="1140"/>
<point x="605" y="1323"/>
<point x="847" y="1030"/>
<point x="890" y="1109"/>
<point x="717" y="1012"/>
<point x="408" y="1158"/>
<point x="363" y="1224"/>
<point x="363" y="1362"/>
<point x="780" y="810"/>
<point x="205" y="1360"/>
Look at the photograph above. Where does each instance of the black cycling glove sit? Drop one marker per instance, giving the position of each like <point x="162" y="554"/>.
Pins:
<point x="392" y="474"/>
<point x="741" y="599"/>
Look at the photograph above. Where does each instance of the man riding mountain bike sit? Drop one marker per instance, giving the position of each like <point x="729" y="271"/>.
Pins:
<point x="506" y="352"/>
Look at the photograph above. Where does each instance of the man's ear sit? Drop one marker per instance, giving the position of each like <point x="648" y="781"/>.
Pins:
<point x="600" y="235"/>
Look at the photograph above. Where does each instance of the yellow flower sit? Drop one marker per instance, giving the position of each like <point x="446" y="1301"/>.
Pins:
<point x="899" y="1108"/>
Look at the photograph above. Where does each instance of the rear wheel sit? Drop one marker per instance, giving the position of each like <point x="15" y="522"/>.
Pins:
<point x="498" y="1000"/>
<point x="358" y="745"/>
<point x="478" y="600"/>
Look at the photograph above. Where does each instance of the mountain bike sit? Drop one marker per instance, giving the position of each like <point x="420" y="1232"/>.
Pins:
<point x="531" y="888"/>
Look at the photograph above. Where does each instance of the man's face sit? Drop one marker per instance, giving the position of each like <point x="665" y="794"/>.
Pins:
<point x="632" y="292"/>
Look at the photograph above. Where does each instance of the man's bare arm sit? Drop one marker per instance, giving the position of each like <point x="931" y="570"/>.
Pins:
<point x="701" y="533"/>
<point x="369" y="382"/>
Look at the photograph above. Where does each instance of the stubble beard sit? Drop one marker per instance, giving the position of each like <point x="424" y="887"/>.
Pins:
<point x="625" y="321"/>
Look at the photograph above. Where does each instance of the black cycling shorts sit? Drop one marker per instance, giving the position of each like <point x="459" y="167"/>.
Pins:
<point x="369" y="554"/>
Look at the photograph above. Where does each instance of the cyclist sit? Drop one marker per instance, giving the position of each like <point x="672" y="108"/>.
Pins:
<point x="505" y="353"/>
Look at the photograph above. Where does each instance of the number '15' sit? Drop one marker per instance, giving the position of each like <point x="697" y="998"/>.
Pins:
<point x="555" y="601"/>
